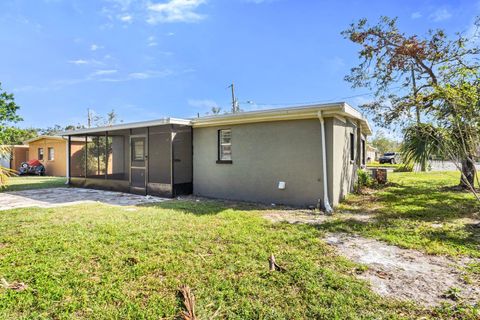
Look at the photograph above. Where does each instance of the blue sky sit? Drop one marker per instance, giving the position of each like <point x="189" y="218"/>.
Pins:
<point x="154" y="58"/>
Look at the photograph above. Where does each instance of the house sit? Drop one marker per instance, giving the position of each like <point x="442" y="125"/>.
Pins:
<point x="301" y="156"/>
<point x="16" y="155"/>
<point x="372" y="153"/>
<point x="51" y="151"/>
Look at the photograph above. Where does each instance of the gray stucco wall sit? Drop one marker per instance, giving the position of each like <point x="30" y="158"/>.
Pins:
<point x="344" y="169"/>
<point x="263" y="154"/>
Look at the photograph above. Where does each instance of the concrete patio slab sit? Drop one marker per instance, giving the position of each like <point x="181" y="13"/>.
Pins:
<point x="56" y="197"/>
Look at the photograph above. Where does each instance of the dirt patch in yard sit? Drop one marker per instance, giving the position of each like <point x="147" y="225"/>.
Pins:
<point x="408" y="274"/>
<point x="296" y="216"/>
<point x="312" y="217"/>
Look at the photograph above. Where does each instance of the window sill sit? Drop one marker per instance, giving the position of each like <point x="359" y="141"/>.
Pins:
<point x="224" y="161"/>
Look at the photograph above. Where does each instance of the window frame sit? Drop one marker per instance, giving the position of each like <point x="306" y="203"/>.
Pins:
<point x="40" y="154"/>
<point x="134" y="145"/>
<point x="220" y="158"/>
<point x="53" y="154"/>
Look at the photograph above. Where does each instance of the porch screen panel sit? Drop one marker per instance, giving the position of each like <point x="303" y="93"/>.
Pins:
<point x="182" y="155"/>
<point x="159" y="150"/>
<point x="116" y="165"/>
<point x="77" y="156"/>
<point x="96" y="157"/>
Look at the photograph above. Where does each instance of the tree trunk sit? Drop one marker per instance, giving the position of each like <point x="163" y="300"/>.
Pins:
<point x="467" y="180"/>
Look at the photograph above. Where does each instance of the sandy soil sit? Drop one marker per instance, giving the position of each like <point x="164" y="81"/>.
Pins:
<point x="408" y="274"/>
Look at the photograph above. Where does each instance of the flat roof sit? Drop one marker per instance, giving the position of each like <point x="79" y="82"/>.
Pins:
<point x="288" y="113"/>
<point x="26" y="142"/>
<point x="124" y="126"/>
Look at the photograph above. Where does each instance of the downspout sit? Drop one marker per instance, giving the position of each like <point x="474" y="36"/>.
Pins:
<point x="328" y="208"/>
<point x="69" y="141"/>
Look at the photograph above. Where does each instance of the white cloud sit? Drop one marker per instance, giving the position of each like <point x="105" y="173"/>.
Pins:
<point x="440" y="15"/>
<point x="95" y="47"/>
<point x="85" y="62"/>
<point x="170" y="34"/>
<point x="152" y="41"/>
<point x="126" y="18"/>
<point x="78" y="61"/>
<point x="416" y="15"/>
<point x="143" y="75"/>
<point x="175" y="11"/>
<point x="104" y="72"/>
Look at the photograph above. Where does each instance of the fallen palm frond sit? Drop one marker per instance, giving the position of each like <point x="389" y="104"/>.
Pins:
<point x="16" y="286"/>
<point x="188" y="302"/>
<point x="273" y="264"/>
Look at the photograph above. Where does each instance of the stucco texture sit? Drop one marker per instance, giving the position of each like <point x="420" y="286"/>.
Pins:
<point x="263" y="154"/>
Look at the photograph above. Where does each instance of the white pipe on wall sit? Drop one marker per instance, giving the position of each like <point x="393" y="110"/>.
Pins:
<point x="68" y="160"/>
<point x="328" y="208"/>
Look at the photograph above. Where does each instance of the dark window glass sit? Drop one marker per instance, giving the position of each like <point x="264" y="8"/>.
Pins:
<point x="364" y="152"/>
<point x="40" y="153"/>
<point x="352" y="146"/>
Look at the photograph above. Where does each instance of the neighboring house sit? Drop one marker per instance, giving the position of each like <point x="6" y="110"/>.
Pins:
<point x="51" y="151"/>
<point x="372" y="153"/>
<point x="17" y="155"/>
<point x="302" y="156"/>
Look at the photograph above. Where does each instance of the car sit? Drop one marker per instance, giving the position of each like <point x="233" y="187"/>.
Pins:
<point x="31" y="167"/>
<point x="388" y="157"/>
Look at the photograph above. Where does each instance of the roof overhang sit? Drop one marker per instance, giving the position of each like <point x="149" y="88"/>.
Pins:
<point x="339" y="109"/>
<point x="125" y="126"/>
<point x="43" y="137"/>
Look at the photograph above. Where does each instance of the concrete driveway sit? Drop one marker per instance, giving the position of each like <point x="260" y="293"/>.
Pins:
<point x="56" y="197"/>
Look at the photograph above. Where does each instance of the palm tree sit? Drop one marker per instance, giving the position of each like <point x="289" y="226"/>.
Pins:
<point x="420" y="143"/>
<point x="423" y="141"/>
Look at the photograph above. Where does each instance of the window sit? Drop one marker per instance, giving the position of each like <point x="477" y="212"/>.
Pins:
<point x="225" y="146"/>
<point x="138" y="149"/>
<point x="352" y="147"/>
<point x="364" y="152"/>
<point x="51" y="154"/>
<point x="40" y="153"/>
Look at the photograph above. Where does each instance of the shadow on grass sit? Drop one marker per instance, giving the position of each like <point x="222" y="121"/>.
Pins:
<point x="424" y="213"/>
<point x="206" y="206"/>
<point x="421" y="203"/>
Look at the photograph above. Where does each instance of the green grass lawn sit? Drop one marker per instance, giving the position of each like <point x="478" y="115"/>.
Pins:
<point x="418" y="210"/>
<point x="383" y="165"/>
<point x="102" y="262"/>
<point x="33" y="182"/>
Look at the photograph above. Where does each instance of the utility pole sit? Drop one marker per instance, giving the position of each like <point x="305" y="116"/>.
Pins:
<point x="234" y="100"/>
<point x="89" y="118"/>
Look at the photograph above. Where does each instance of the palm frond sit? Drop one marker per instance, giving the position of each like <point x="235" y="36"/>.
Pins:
<point x="422" y="142"/>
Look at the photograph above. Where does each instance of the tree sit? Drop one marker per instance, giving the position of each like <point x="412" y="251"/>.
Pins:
<point x="383" y="143"/>
<point x="216" y="110"/>
<point x="410" y="73"/>
<point x="15" y="135"/>
<point x="8" y="116"/>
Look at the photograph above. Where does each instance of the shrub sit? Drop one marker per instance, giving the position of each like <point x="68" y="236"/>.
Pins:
<point x="364" y="179"/>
